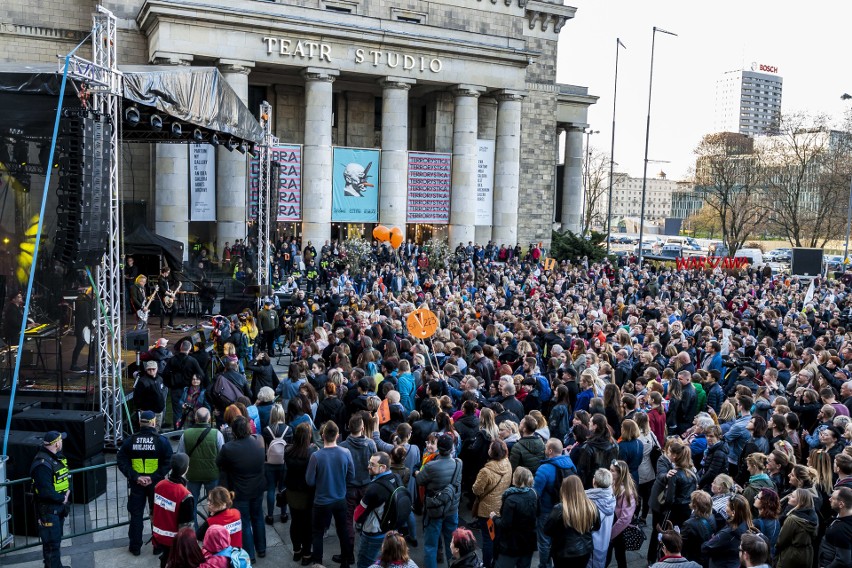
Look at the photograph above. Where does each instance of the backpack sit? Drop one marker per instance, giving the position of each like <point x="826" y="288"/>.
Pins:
<point x="561" y="474"/>
<point x="239" y="558"/>
<point x="438" y="503"/>
<point x="275" y="451"/>
<point x="544" y="390"/>
<point x="225" y="391"/>
<point x="397" y="506"/>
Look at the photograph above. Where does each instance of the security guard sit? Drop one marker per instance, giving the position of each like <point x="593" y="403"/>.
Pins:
<point x="144" y="459"/>
<point x="49" y="471"/>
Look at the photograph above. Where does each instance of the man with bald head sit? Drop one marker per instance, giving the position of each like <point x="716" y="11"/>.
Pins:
<point x="201" y="442"/>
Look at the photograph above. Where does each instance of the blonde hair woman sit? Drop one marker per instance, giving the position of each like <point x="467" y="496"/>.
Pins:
<point x="626" y="501"/>
<point x="570" y="525"/>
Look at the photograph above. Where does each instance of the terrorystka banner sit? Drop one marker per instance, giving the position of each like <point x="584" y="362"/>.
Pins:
<point x="286" y="191"/>
<point x="202" y="182"/>
<point x="429" y="184"/>
<point x="355" y="185"/>
<point x="484" y="182"/>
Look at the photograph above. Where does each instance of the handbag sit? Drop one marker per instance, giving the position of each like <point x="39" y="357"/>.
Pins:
<point x="634" y="537"/>
<point x="281" y="498"/>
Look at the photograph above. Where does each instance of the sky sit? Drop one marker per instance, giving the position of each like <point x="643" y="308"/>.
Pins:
<point x="805" y="40"/>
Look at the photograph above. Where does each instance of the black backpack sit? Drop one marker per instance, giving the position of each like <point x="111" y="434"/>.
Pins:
<point x="561" y="474"/>
<point x="397" y="506"/>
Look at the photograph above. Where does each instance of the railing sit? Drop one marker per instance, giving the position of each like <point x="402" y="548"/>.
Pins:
<point x="98" y="503"/>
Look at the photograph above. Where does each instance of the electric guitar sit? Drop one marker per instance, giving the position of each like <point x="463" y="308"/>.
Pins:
<point x="169" y="299"/>
<point x="142" y="313"/>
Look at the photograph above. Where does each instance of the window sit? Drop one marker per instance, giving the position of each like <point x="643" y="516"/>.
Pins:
<point x="341" y="6"/>
<point x="408" y="16"/>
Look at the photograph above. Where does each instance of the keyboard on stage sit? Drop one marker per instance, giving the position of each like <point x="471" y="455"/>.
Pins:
<point x="41" y="330"/>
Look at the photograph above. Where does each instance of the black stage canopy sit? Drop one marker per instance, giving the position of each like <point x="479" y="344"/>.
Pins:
<point x="198" y="97"/>
<point x="143" y="241"/>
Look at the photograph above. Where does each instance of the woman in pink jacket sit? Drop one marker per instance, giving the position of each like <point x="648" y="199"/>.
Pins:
<point x="216" y="539"/>
<point x="625" y="505"/>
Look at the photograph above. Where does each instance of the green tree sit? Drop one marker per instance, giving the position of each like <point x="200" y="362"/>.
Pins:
<point x="566" y="245"/>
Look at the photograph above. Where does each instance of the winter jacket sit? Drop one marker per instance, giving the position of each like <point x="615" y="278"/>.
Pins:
<point x="624" y="509"/>
<point x="795" y="544"/>
<point x="528" y="452"/>
<point x="604" y="501"/>
<point x="657" y="423"/>
<point x="566" y="542"/>
<point x="594" y="454"/>
<point x="491" y="482"/>
<point x="646" y="469"/>
<point x="216" y="540"/>
<point x="513" y="405"/>
<point x="467" y="426"/>
<point x="680" y="486"/>
<point x="737" y="437"/>
<point x="407" y="388"/>
<point x="695" y="531"/>
<point x="583" y="399"/>
<point x="518" y="514"/>
<point x="723" y="549"/>
<point x="715" y="462"/>
<point x="559" y="422"/>
<point x="241" y="464"/>
<point x="546" y="476"/>
<point x="632" y="452"/>
<point x="715" y="398"/>
<point x="439" y="473"/>
<point x="262" y="375"/>
<point x="331" y="408"/>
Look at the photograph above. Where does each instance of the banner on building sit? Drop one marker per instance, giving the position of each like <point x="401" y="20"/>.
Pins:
<point x="484" y="182"/>
<point x="286" y="191"/>
<point x="355" y="185"/>
<point x="202" y="182"/>
<point x="429" y="183"/>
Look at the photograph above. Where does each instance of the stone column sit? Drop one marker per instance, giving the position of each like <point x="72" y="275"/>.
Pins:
<point x="231" y="169"/>
<point x="507" y="165"/>
<point x="316" y="156"/>
<point x="486" y="130"/>
<point x="463" y="198"/>
<point x="394" y="177"/>
<point x="572" y="186"/>
<point x="171" y="179"/>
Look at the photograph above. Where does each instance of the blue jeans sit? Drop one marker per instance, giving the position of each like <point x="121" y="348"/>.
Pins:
<point x="195" y="488"/>
<point x="432" y="530"/>
<point x="412" y="526"/>
<point x="369" y="549"/>
<point x="543" y="541"/>
<point x="487" y="545"/>
<point x="274" y="483"/>
<point x="254" y="531"/>
<point x="50" y="532"/>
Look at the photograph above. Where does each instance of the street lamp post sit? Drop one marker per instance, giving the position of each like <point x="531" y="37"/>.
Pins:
<point x="587" y="179"/>
<point x="647" y="136"/>
<point x="612" y="149"/>
<point x="846" y="97"/>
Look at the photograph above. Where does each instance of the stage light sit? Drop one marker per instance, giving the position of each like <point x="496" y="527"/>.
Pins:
<point x="156" y="122"/>
<point x="231" y="144"/>
<point x="214" y="140"/>
<point x="243" y="148"/>
<point x="176" y="130"/>
<point x="132" y="116"/>
<point x="197" y="135"/>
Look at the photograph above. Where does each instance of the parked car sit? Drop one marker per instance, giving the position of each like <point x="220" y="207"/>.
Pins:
<point x="754" y="256"/>
<point x="779" y="255"/>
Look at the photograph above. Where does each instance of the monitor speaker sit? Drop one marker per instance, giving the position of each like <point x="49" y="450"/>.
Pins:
<point x="806" y="262"/>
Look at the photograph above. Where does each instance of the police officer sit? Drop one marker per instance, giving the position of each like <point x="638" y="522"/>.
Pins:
<point x="174" y="507"/>
<point x="144" y="459"/>
<point x="49" y="471"/>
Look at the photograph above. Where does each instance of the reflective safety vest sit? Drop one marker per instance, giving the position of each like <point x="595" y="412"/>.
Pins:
<point x="231" y="520"/>
<point x="59" y="468"/>
<point x="144" y="455"/>
<point x="168" y="496"/>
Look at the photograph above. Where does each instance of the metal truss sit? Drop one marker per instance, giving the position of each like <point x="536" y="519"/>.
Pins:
<point x="104" y="81"/>
<point x="266" y="210"/>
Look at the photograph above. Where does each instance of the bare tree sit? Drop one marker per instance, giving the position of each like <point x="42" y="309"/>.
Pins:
<point x="806" y="172"/>
<point x="705" y="221"/>
<point x="595" y="190"/>
<point x="728" y="170"/>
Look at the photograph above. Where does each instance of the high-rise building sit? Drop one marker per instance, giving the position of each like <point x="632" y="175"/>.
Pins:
<point x="749" y="101"/>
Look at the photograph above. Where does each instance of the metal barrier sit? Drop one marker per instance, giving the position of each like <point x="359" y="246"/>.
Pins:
<point x="99" y="502"/>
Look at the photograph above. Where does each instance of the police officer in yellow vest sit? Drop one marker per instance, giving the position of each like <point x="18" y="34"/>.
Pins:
<point x="144" y="459"/>
<point x="51" y="485"/>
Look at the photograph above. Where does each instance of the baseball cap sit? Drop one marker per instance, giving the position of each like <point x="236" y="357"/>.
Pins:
<point x="150" y="364"/>
<point x="445" y="444"/>
<point x="147" y="416"/>
<point x="53" y="436"/>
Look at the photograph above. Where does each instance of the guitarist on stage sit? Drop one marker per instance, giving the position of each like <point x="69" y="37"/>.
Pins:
<point x="138" y="299"/>
<point x="167" y="298"/>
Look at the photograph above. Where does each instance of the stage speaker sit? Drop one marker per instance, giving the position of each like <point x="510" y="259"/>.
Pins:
<point x="86" y="486"/>
<point x="20" y="406"/>
<point x="22" y="449"/>
<point x="136" y="340"/>
<point x="85" y="429"/>
<point x="806" y="262"/>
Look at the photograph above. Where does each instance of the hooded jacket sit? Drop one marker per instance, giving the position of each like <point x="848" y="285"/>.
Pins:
<point x="216" y="540"/>
<point x="596" y="453"/>
<point x="795" y="541"/>
<point x="604" y="500"/>
<point x="528" y="452"/>
<point x="361" y="449"/>
<point x="517" y="521"/>
<point x="545" y="479"/>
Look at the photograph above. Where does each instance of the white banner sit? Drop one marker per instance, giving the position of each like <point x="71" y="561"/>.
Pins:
<point x="202" y="182"/>
<point x="484" y="182"/>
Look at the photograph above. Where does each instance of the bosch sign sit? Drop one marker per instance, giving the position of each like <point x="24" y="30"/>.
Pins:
<point x="764" y="68"/>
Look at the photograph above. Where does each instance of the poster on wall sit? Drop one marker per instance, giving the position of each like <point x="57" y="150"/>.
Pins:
<point x="429" y="183"/>
<point x="355" y="185"/>
<point x="202" y="182"/>
<point x="287" y="191"/>
<point x="484" y="182"/>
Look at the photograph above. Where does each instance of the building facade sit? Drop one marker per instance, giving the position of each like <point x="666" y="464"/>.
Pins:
<point x="469" y="84"/>
<point x="627" y="198"/>
<point x="749" y="101"/>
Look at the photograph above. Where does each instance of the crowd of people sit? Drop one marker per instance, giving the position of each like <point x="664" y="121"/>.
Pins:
<point x="560" y="412"/>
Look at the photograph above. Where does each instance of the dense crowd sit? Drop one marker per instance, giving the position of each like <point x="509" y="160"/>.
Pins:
<point x="552" y="411"/>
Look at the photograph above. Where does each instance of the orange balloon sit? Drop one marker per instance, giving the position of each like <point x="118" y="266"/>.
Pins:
<point x="381" y="233"/>
<point x="396" y="240"/>
<point x="396" y="231"/>
<point x="422" y="323"/>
